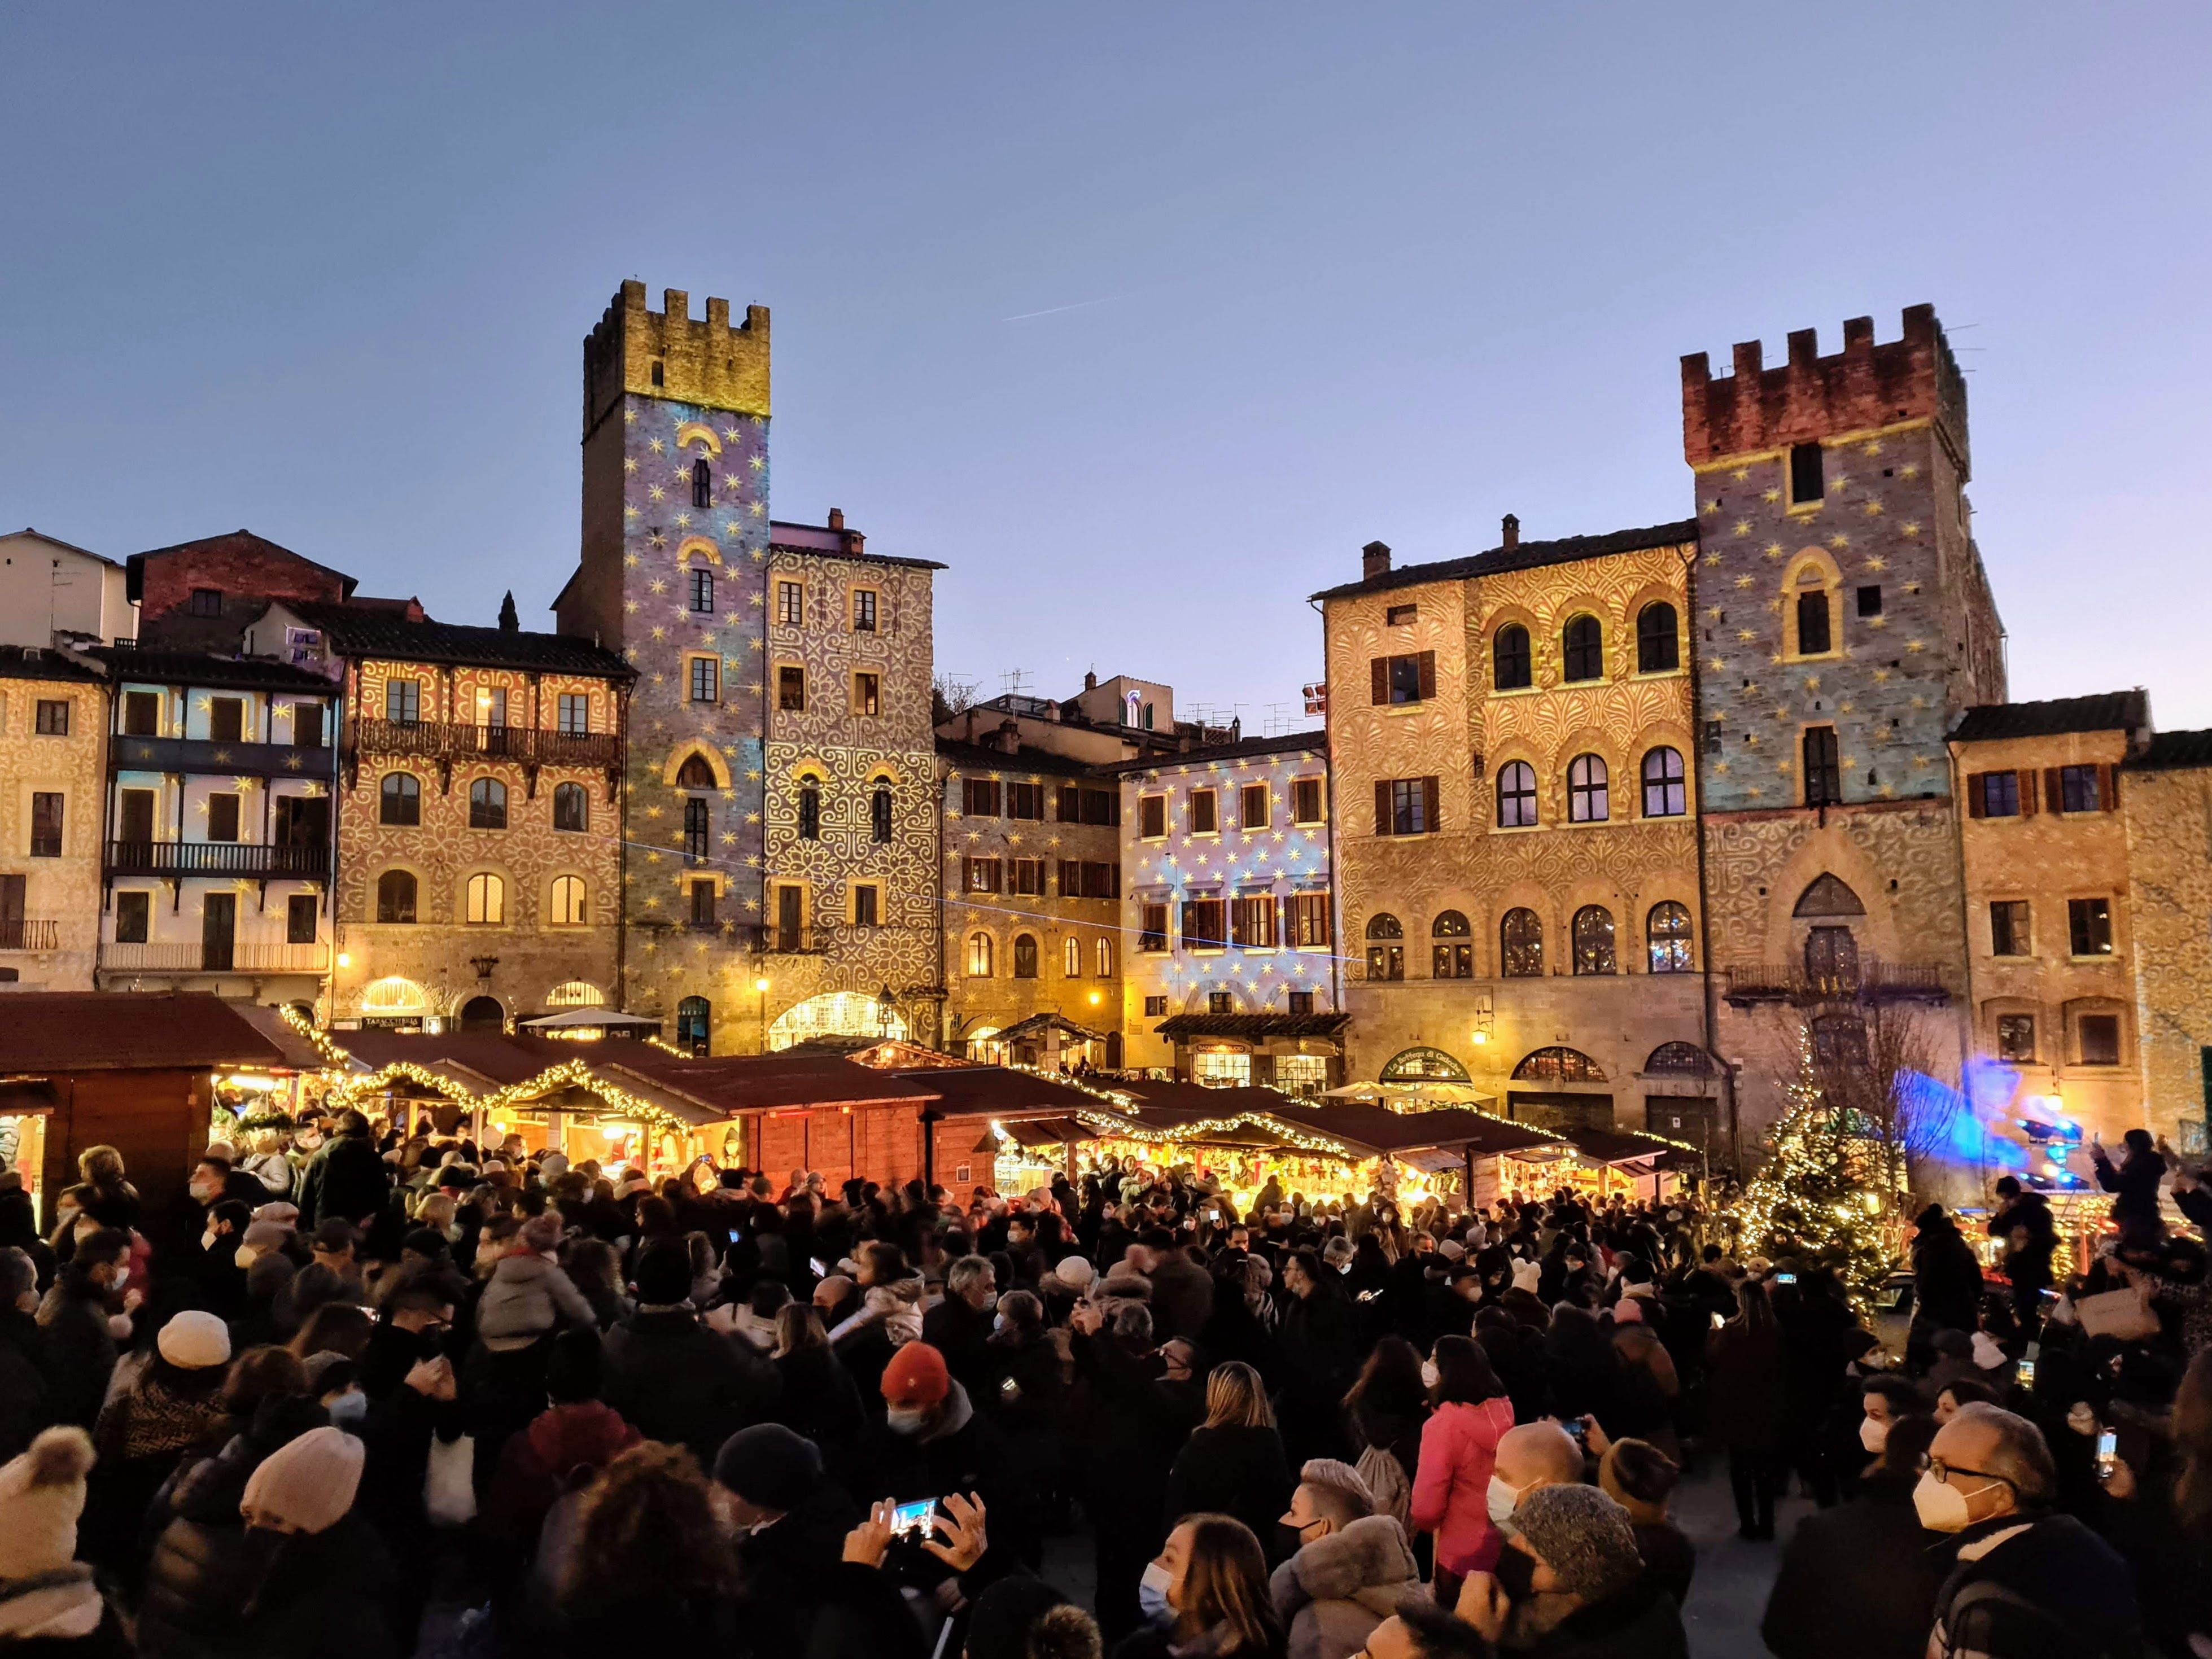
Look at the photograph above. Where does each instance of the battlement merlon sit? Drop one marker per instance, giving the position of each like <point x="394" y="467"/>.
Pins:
<point x="1863" y="387"/>
<point x="710" y="364"/>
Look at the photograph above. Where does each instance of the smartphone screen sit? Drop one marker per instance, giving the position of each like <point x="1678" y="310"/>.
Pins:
<point x="815" y="1262"/>
<point x="1718" y="1322"/>
<point x="912" y="1519"/>
<point x="2024" y="1373"/>
<point x="1786" y="1278"/>
<point x="2108" y="1453"/>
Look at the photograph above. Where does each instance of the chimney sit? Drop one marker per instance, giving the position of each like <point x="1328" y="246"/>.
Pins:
<point x="836" y="518"/>
<point x="1007" y="739"/>
<point x="1090" y="680"/>
<point x="1510" y="531"/>
<point x="1374" y="561"/>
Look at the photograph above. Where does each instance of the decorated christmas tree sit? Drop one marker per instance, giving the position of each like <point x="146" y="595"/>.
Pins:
<point x="1820" y="1199"/>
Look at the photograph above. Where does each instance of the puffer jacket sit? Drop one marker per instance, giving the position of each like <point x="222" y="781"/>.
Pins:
<point x="1334" y="1591"/>
<point x="1451" y="1492"/>
<point x="527" y="1297"/>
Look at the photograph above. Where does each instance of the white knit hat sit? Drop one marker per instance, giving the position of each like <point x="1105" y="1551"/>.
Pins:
<point x="1528" y="1275"/>
<point x="193" y="1341"/>
<point x="41" y="1495"/>
<point x="1074" y="1272"/>
<point x="306" y="1485"/>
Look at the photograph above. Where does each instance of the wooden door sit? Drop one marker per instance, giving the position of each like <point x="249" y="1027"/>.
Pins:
<point x="218" y="931"/>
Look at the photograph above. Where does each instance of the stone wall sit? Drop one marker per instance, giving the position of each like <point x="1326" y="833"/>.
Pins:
<point x="2168" y="817"/>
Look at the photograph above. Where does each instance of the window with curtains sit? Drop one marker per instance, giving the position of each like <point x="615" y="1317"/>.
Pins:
<point x="979" y="955"/>
<point x="1025" y="956"/>
<point x="571" y="904"/>
<point x="1252" y="922"/>
<point x="984" y="876"/>
<point x="1071" y="957"/>
<point x="1308" y="920"/>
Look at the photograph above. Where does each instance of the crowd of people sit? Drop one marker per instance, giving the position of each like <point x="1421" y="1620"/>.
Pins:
<point x="365" y="1394"/>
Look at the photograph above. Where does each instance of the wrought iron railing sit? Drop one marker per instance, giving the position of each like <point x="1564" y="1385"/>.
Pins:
<point x="447" y="740"/>
<point x="216" y="857"/>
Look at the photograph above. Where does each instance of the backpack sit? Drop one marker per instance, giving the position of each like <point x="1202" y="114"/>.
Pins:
<point x="1385" y="1476"/>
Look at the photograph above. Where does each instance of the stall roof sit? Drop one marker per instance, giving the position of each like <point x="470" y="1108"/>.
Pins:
<point x="1380" y="1130"/>
<point x="1036" y="1026"/>
<point x="1034" y="1132"/>
<point x="1623" y="1145"/>
<point x="139" y="1032"/>
<point x="1195" y="1100"/>
<point x="1180" y="1028"/>
<point x="998" y="1091"/>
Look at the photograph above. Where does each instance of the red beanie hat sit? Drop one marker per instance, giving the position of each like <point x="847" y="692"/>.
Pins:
<point x="916" y="1377"/>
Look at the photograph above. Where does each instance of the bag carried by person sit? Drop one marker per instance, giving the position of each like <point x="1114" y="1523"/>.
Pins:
<point x="449" y="1482"/>
<point x="1385" y="1476"/>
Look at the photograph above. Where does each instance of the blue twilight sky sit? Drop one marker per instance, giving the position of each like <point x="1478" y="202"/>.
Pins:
<point x="1142" y="318"/>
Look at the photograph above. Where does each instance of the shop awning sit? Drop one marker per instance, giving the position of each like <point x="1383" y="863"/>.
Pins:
<point x="1037" y="1027"/>
<point x="1033" y="1133"/>
<point x="1624" y="1146"/>
<point x="1423" y="1094"/>
<point x="1251" y="1028"/>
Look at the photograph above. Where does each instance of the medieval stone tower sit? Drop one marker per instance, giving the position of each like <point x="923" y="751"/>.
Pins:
<point x="1843" y="621"/>
<point x="675" y="544"/>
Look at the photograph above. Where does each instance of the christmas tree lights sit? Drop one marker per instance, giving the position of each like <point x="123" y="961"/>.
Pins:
<point x="1820" y="1201"/>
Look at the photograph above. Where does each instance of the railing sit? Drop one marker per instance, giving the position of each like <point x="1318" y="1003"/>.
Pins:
<point x="199" y="755"/>
<point x="200" y="958"/>
<point x="1872" y="980"/>
<point x="215" y="858"/>
<point x="20" y="934"/>
<point x="445" y="740"/>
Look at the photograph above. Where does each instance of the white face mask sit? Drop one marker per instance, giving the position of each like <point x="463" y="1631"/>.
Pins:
<point x="245" y="1256"/>
<point x="1941" y="1506"/>
<point x="208" y="1239"/>
<point x="905" y="1420"/>
<point x="1873" y="1434"/>
<point x="1430" y="1375"/>
<point x="1502" y="1500"/>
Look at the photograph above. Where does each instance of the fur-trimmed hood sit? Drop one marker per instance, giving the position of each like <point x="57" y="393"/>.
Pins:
<point x="1369" y="1554"/>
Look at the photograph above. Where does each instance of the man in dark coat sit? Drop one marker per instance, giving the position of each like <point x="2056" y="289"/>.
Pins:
<point x="1319" y="1344"/>
<point x="794" y="1523"/>
<point x="669" y="1376"/>
<point x="348" y="1179"/>
<point x="1857" y="1581"/>
<point x="28" y="1371"/>
<point x="2024" y="1222"/>
<point x="931" y="1441"/>
<point x="74" y="1316"/>
<point x="1946" y="1283"/>
<point x="1183" y="1292"/>
<point x="2135" y="1186"/>
<point x="959" y="1326"/>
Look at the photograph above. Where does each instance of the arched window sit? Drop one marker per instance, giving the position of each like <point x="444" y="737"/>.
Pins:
<point x="695" y="1020"/>
<point x="1105" y="954"/>
<point x="1588" y="801"/>
<point x="1594" y="940"/>
<point x="575" y="994"/>
<point x="879" y="814"/>
<point x="809" y="808"/>
<point x="1583" y="644"/>
<point x="1521" y="944"/>
<point x="1558" y="1065"/>
<point x="1678" y="1059"/>
<point x="979" y="955"/>
<point x="694" y="773"/>
<point x="1828" y="894"/>
<point x="1657" y="639"/>
<point x="572" y="807"/>
<point x="571" y="905"/>
<point x="1071" y="957"/>
<point x="1512" y="667"/>
<point x="1516" y="795"/>
<point x="482" y="1014"/>
<point x="698" y="829"/>
<point x="400" y="799"/>
<point x="702" y="484"/>
<point x="1025" y="956"/>
<point x="1814" y="635"/>
<point x="487" y="805"/>
<point x="1451" y="955"/>
<point x="395" y="896"/>
<point x="1386" y="951"/>
<point x="1666" y="937"/>
<point x="1664" y="793"/>
<point x="487" y="902"/>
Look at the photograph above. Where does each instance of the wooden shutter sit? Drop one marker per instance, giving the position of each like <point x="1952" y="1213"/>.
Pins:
<point x="2054" y="791"/>
<point x="1378" y="679"/>
<point x="2110" y="798"/>
<point x="1428" y="661"/>
<point x="1977" y="795"/>
<point x="1429" y="817"/>
<point x="2024" y="786"/>
<point x="1382" y="806"/>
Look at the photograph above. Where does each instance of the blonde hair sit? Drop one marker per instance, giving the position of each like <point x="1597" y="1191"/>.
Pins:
<point x="100" y="1166"/>
<point x="1226" y="1583"/>
<point x="1235" y="1398"/>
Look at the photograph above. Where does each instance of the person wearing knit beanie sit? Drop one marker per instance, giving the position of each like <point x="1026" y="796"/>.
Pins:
<point x="193" y="1341"/>
<point x="47" y="1596"/>
<point x="769" y="1469"/>
<point x="307" y="1485"/>
<point x="1583" y="1537"/>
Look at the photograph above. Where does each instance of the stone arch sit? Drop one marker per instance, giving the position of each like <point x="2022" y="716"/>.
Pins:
<point x="1828" y="894"/>
<point x="1558" y="1063"/>
<point x="1415" y="1065"/>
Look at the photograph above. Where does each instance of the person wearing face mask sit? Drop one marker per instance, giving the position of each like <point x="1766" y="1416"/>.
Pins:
<point x="2021" y="1580"/>
<point x="932" y="1441"/>
<point x="1207" y="1594"/>
<point x="791" y="1523"/>
<point x="1352" y="1570"/>
<point x="75" y="1315"/>
<point x="959" y="1326"/>
<point x="1857" y="1581"/>
<point x="1455" y="1485"/>
<point x="1571" y="1581"/>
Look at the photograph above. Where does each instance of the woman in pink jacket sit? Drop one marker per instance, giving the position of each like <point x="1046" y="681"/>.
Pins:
<point x="1459" y="1452"/>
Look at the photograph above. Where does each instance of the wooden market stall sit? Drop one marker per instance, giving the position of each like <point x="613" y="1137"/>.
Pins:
<point x="146" y="1074"/>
